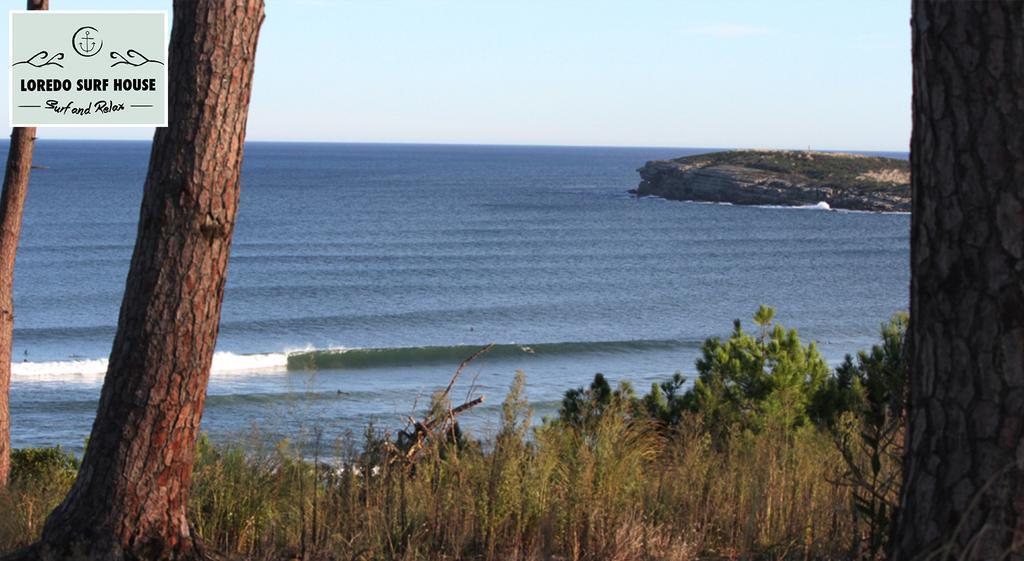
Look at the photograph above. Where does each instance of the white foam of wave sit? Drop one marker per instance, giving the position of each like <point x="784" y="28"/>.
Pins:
<point x="59" y="368"/>
<point x="223" y="362"/>
<point x="230" y="362"/>
<point x="817" y="206"/>
<point x="719" y="203"/>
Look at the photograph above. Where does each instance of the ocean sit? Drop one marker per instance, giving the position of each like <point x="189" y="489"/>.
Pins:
<point x="362" y="274"/>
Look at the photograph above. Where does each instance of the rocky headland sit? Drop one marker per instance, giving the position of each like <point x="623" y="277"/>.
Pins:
<point x="781" y="177"/>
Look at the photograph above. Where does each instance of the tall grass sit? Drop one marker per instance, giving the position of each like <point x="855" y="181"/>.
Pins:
<point x="616" y="489"/>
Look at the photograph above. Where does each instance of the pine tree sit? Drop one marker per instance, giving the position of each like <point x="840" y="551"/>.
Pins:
<point x="963" y="495"/>
<point x="12" y="205"/>
<point x="129" y="499"/>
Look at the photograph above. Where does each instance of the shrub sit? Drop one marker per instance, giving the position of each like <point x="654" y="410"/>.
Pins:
<point x="44" y="467"/>
<point x="864" y="406"/>
<point x="40" y="477"/>
<point x="750" y="382"/>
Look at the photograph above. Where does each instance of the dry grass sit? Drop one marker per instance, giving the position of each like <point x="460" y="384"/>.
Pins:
<point x="620" y="489"/>
<point x="893" y="176"/>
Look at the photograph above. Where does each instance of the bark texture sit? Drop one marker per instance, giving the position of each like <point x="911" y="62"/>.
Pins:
<point x="963" y="495"/>
<point x="12" y="202"/>
<point x="129" y="500"/>
<point x="12" y="205"/>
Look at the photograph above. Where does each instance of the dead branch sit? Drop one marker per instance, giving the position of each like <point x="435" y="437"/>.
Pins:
<point x="411" y="440"/>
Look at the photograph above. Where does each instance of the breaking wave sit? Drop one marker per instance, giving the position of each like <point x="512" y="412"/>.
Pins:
<point x="454" y="354"/>
<point x="363" y="358"/>
<point x="222" y="362"/>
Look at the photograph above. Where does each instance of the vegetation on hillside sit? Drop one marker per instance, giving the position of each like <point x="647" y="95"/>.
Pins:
<point x="767" y="455"/>
<point x="868" y="173"/>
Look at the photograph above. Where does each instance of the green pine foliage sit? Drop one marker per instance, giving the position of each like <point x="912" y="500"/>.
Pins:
<point x="753" y="381"/>
<point x="864" y="406"/>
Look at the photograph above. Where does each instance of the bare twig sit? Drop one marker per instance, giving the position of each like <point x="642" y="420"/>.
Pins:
<point x="412" y="439"/>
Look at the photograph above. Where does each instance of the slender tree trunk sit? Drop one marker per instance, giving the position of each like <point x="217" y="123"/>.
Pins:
<point x="964" y="466"/>
<point x="129" y="500"/>
<point x="12" y="203"/>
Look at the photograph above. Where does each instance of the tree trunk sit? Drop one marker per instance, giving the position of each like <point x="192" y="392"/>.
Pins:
<point x="129" y="500"/>
<point x="12" y="203"/>
<point x="964" y="466"/>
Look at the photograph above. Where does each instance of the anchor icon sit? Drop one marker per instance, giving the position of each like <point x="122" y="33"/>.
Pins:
<point x="86" y="41"/>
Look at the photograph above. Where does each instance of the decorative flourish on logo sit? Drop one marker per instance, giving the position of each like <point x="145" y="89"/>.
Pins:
<point x="39" y="60"/>
<point x="86" y="41"/>
<point x="135" y="58"/>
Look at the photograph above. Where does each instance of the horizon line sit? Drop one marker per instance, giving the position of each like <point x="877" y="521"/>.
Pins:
<point x="503" y="144"/>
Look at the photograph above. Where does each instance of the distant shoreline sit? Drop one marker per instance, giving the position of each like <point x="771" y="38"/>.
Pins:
<point x="821" y="206"/>
<point x="782" y="178"/>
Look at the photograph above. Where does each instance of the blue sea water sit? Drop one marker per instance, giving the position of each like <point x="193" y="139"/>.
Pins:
<point x="361" y="275"/>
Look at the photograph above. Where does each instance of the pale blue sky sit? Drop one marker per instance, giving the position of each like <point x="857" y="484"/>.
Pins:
<point x="710" y="73"/>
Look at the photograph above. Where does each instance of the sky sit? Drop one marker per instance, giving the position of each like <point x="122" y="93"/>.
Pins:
<point x="675" y="73"/>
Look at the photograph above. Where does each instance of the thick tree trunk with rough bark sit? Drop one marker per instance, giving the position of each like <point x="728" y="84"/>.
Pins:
<point x="129" y="500"/>
<point x="12" y="203"/>
<point x="964" y="466"/>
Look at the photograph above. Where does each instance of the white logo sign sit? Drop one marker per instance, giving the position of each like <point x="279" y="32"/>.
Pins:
<point x="90" y="69"/>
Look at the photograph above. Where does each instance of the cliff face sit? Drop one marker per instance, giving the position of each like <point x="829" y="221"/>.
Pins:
<point x="752" y="177"/>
